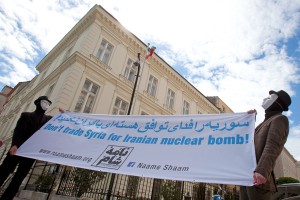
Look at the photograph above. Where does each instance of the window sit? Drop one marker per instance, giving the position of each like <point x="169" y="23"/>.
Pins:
<point x="170" y="99"/>
<point x="186" y="107"/>
<point x="87" y="97"/>
<point x="152" y="85"/>
<point x="120" y="107"/>
<point x="104" y="51"/>
<point x="131" y="70"/>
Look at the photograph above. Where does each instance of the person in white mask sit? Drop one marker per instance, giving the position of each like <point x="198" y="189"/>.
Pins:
<point x="27" y="125"/>
<point x="269" y="139"/>
<point x="45" y="104"/>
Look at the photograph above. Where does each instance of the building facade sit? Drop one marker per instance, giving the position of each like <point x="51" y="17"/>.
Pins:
<point x="4" y="94"/>
<point x="287" y="166"/>
<point x="221" y="105"/>
<point x="92" y="70"/>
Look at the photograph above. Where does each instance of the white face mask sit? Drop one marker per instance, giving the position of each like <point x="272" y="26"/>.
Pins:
<point x="267" y="102"/>
<point x="45" y="104"/>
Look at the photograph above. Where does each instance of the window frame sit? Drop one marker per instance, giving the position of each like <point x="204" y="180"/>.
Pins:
<point x="130" y="70"/>
<point x="104" y="54"/>
<point x="186" y="107"/>
<point x="152" y="85"/>
<point x="118" y="108"/>
<point x="170" y="101"/>
<point x="84" y="97"/>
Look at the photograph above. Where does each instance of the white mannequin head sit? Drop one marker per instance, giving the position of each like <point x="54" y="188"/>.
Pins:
<point x="267" y="102"/>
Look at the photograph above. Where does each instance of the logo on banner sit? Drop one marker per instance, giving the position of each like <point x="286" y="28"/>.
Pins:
<point x="113" y="157"/>
<point x="131" y="164"/>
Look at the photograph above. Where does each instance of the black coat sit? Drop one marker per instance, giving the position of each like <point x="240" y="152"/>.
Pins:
<point x="27" y="125"/>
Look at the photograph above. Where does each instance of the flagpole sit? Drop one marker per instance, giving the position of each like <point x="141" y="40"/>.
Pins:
<point x="141" y="71"/>
<point x="137" y="63"/>
<point x="113" y="175"/>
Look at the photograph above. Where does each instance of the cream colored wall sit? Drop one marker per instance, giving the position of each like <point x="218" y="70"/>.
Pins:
<point x="90" y="40"/>
<point x="162" y="89"/>
<point x="286" y="165"/>
<point x="3" y="96"/>
<point x="119" y="61"/>
<point x="298" y="170"/>
<point x="278" y="169"/>
<point x="289" y="165"/>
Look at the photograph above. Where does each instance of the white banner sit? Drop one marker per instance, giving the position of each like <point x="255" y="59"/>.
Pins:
<point x="213" y="148"/>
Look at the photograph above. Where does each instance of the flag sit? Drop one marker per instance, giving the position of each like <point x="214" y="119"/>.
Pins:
<point x="150" y="51"/>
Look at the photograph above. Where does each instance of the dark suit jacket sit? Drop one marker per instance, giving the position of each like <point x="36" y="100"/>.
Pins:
<point x="270" y="137"/>
<point x="27" y="125"/>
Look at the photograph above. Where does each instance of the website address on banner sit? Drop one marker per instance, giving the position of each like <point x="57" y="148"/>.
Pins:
<point x="65" y="155"/>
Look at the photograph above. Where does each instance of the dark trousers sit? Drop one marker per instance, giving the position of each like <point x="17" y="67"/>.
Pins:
<point x="254" y="193"/>
<point x="8" y="166"/>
